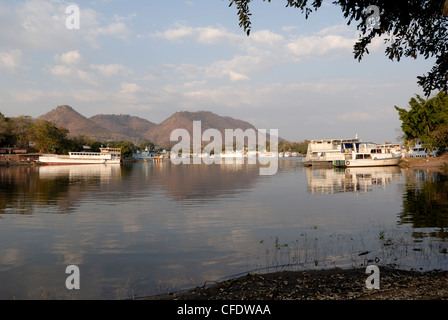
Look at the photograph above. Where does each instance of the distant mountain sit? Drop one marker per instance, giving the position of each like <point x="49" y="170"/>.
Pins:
<point x="76" y="123"/>
<point x="131" y="127"/>
<point x="184" y="120"/>
<point x="125" y="127"/>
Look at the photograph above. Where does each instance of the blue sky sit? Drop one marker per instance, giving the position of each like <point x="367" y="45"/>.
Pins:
<point x="153" y="58"/>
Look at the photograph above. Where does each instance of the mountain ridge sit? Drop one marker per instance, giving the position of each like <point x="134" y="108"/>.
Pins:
<point x="103" y="127"/>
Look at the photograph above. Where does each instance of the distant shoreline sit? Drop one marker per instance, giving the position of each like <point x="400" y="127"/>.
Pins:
<point x="437" y="164"/>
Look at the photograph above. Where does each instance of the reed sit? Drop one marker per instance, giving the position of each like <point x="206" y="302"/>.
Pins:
<point x="393" y="248"/>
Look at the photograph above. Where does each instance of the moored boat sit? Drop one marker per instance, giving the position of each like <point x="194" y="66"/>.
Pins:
<point x="232" y="154"/>
<point x="369" y="154"/>
<point x="324" y="152"/>
<point x="105" y="156"/>
<point x="143" y="155"/>
<point x="366" y="160"/>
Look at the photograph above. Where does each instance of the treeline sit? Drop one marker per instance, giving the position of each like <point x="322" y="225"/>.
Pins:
<point x="426" y="121"/>
<point x="46" y="137"/>
<point x="300" y="147"/>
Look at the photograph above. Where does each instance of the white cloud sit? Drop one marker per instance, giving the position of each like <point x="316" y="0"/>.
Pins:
<point x="11" y="60"/>
<point x="60" y="70"/>
<point x="71" y="57"/>
<point x="41" y="24"/>
<point x="235" y="76"/>
<point x="202" y="35"/>
<point x="267" y="38"/>
<point x="87" y="77"/>
<point x="262" y="51"/>
<point x="175" y="34"/>
<point x="112" y="70"/>
<point x="328" y="46"/>
<point x="130" y="88"/>
<point x="115" y="29"/>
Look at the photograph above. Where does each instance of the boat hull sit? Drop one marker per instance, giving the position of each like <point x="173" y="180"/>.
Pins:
<point x="64" y="162"/>
<point x="372" y="162"/>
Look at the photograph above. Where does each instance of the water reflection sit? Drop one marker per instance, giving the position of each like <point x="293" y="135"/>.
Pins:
<point x="149" y="222"/>
<point x="425" y="203"/>
<point x="335" y="180"/>
<point x="94" y="172"/>
<point x="62" y="187"/>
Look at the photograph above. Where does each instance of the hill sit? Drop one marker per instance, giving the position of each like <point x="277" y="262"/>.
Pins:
<point x="104" y="127"/>
<point x="131" y="127"/>
<point x="161" y="133"/>
<point x="77" y="124"/>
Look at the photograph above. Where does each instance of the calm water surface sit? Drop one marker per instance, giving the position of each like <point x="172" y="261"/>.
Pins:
<point x="147" y="228"/>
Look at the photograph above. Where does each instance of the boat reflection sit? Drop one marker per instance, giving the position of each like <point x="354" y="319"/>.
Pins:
<point x="338" y="180"/>
<point x="76" y="172"/>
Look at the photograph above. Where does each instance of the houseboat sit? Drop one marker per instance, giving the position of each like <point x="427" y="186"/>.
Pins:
<point x="325" y="152"/>
<point x="105" y="156"/>
<point x="420" y="151"/>
<point x="369" y="154"/>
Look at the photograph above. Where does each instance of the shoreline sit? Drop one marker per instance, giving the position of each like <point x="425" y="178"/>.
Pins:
<point x="328" y="284"/>
<point x="438" y="164"/>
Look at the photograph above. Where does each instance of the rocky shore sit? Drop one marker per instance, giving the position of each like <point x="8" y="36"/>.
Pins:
<point x="333" y="284"/>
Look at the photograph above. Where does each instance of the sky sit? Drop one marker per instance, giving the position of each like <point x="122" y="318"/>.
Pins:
<point x="151" y="58"/>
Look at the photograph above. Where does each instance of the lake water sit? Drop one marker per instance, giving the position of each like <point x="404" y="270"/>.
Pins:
<point x="147" y="228"/>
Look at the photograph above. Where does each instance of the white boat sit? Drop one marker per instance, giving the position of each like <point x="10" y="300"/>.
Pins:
<point x="366" y="160"/>
<point x="105" y="156"/>
<point x="324" y="152"/>
<point x="369" y="154"/>
<point x="420" y="151"/>
<point x="144" y="155"/>
<point x="232" y="154"/>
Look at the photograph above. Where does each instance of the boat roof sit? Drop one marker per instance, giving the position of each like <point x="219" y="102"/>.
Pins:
<point x="336" y="140"/>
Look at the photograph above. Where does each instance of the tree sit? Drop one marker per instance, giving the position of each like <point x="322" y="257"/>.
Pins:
<point x="49" y="137"/>
<point x="412" y="28"/>
<point x="427" y="121"/>
<point x="127" y="147"/>
<point x="4" y="129"/>
<point x="21" y="130"/>
<point x="146" y="144"/>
